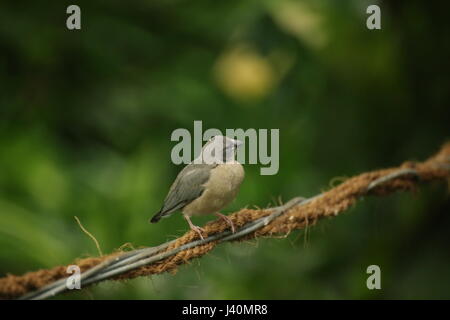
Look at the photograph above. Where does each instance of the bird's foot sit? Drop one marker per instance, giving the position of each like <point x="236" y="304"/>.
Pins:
<point x="199" y="231"/>
<point x="227" y="220"/>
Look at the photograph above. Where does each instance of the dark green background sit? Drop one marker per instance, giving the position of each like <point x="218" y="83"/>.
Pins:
<point x="86" y="118"/>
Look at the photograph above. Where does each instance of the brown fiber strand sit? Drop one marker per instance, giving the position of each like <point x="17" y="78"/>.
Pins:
<point x="331" y="203"/>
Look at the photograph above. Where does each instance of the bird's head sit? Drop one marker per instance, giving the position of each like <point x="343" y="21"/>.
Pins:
<point x="219" y="149"/>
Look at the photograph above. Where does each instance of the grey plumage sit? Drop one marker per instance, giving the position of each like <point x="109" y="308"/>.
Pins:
<point x="207" y="185"/>
<point x="188" y="186"/>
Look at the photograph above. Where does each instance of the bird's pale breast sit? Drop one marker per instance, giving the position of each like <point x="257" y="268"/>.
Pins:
<point x="221" y="188"/>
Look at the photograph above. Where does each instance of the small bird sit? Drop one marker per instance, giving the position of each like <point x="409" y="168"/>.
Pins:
<point x="206" y="185"/>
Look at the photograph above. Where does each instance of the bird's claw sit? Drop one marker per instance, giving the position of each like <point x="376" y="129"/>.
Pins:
<point x="227" y="220"/>
<point x="199" y="231"/>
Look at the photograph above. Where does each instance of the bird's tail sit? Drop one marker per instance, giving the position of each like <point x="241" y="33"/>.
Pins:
<point x="156" y="217"/>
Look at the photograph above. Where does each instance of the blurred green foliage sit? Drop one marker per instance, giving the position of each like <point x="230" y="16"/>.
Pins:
<point x="86" y="118"/>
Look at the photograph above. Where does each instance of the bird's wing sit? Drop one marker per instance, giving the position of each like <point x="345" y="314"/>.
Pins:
<point x="188" y="186"/>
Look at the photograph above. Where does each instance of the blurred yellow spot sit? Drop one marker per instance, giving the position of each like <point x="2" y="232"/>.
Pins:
<point x="244" y="74"/>
<point x="299" y="19"/>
